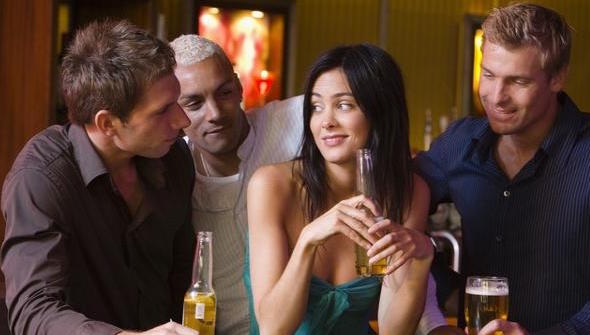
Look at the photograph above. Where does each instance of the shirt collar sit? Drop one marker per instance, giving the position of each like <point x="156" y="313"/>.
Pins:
<point x="483" y="139"/>
<point x="91" y="165"/>
<point x="557" y="142"/>
<point x="566" y="127"/>
<point x="89" y="162"/>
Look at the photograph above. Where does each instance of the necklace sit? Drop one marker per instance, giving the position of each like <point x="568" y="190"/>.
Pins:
<point x="205" y="165"/>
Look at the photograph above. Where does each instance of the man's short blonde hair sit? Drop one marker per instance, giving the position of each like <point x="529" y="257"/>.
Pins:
<point x="192" y="49"/>
<point x="521" y="25"/>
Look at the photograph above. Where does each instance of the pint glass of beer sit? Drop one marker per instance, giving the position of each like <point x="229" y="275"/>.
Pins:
<point x="486" y="299"/>
<point x="365" y="184"/>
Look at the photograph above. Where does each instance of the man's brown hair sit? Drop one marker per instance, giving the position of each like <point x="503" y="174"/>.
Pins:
<point x="108" y="66"/>
<point x="523" y="24"/>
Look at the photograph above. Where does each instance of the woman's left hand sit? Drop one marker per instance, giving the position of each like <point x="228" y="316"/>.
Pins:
<point x="399" y="243"/>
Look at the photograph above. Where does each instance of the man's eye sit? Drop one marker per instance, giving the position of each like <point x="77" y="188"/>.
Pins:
<point x="193" y="105"/>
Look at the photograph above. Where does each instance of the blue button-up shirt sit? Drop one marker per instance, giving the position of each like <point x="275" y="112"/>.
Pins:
<point x="533" y="229"/>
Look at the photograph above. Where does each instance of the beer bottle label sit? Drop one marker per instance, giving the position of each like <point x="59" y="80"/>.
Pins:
<point x="200" y="311"/>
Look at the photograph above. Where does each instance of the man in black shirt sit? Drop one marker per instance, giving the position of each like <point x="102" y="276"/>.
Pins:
<point x="98" y="236"/>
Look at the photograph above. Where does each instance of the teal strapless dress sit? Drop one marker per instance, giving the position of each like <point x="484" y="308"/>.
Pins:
<point x="341" y="309"/>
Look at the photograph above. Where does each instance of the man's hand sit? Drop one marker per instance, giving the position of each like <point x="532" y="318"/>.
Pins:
<point x="170" y="328"/>
<point x="507" y="327"/>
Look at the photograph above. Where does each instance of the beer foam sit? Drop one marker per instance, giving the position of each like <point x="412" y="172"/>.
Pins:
<point x="491" y="290"/>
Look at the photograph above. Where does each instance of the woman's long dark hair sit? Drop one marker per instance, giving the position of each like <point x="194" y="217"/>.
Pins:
<point x="377" y="85"/>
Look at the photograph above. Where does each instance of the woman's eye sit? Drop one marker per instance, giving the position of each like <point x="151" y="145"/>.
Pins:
<point x="316" y="108"/>
<point x="345" y="106"/>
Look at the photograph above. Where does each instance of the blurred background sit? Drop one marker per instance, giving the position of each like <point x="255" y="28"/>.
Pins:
<point x="272" y="44"/>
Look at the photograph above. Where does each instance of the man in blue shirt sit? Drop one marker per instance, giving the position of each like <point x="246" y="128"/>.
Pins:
<point x="521" y="176"/>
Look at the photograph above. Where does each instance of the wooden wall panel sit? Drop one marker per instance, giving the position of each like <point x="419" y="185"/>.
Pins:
<point x="324" y="24"/>
<point x="26" y="70"/>
<point x="423" y="39"/>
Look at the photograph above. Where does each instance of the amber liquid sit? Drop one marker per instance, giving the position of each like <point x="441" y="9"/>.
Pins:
<point x="362" y="264"/>
<point x="480" y="309"/>
<point x="199" y="312"/>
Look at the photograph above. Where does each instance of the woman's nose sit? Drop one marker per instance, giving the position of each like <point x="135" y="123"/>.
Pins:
<point x="326" y="124"/>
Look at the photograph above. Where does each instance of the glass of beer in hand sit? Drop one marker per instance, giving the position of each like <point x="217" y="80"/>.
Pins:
<point x="486" y="299"/>
<point x="365" y="184"/>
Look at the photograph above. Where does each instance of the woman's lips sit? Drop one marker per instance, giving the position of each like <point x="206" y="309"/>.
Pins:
<point x="333" y="140"/>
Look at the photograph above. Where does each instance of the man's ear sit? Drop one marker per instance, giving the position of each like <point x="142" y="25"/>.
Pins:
<point x="557" y="82"/>
<point x="239" y="84"/>
<point x="106" y="122"/>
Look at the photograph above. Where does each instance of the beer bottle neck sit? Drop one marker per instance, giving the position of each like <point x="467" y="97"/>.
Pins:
<point x="203" y="263"/>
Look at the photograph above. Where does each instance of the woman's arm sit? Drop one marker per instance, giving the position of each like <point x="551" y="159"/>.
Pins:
<point x="279" y="306"/>
<point x="280" y="280"/>
<point x="404" y="291"/>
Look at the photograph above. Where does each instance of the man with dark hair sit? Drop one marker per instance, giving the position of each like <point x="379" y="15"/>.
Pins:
<point x="98" y="231"/>
<point x="520" y="177"/>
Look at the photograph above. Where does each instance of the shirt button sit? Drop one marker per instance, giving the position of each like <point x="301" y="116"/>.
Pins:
<point x="506" y="194"/>
<point x="499" y="238"/>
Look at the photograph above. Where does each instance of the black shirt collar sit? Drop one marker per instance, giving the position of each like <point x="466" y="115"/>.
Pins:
<point x="89" y="162"/>
<point x="91" y="165"/>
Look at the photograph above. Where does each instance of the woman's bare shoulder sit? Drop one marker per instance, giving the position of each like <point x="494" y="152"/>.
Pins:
<point x="280" y="179"/>
<point x="272" y="193"/>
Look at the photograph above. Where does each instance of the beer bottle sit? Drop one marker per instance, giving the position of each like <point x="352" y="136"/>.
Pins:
<point x="365" y="184"/>
<point x="199" y="301"/>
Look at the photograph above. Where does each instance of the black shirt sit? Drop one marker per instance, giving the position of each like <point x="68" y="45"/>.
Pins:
<point x="75" y="260"/>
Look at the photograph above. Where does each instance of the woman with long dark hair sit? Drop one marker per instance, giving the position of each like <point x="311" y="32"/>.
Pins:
<point x="304" y="219"/>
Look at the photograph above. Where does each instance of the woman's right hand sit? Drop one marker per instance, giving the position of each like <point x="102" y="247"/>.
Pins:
<point x="351" y="217"/>
<point x="398" y="244"/>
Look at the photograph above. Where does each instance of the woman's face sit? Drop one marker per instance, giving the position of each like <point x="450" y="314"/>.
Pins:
<point x="338" y="125"/>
